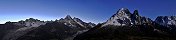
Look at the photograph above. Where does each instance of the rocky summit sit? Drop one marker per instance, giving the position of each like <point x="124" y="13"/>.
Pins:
<point x="124" y="18"/>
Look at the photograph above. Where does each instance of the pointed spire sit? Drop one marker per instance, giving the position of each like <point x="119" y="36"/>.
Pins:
<point x="68" y="17"/>
<point x="135" y="12"/>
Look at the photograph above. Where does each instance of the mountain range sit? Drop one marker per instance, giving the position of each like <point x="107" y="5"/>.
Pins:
<point x="123" y="25"/>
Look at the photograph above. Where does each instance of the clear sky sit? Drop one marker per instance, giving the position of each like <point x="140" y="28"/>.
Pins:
<point x="87" y="10"/>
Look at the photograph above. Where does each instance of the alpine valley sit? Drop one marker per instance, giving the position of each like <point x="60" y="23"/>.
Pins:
<point x="123" y="25"/>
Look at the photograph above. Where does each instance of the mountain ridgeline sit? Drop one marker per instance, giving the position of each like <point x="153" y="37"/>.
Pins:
<point x="123" y="25"/>
<point x="33" y="29"/>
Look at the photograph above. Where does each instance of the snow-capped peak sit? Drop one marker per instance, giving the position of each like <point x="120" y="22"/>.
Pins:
<point x="123" y="11"/>
<point x="166" y="20"/>
<point x="123" y="17"/>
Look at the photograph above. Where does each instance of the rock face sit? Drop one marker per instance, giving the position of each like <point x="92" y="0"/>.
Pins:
<point x="136" y="18"/>
<point x="166" y="20"/>
<point x="124" y="18"/>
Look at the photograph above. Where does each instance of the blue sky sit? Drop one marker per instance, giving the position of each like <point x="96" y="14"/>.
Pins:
<point x="87" y="10"/>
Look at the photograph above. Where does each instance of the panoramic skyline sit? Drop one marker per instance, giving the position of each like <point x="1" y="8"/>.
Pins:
<point x="96" y="11"/>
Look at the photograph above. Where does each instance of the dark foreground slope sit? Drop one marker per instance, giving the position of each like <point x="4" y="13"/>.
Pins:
<point x="138" y="32"/>
<point x="6" y="28"/>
